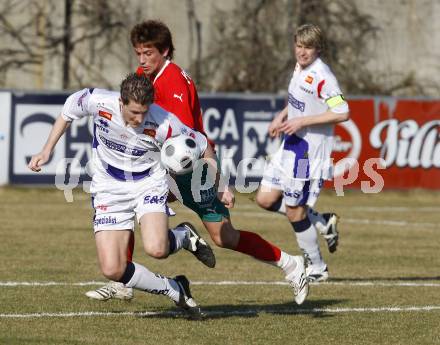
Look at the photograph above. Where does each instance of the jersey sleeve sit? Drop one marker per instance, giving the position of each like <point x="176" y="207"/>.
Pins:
<point x="78" y="105"/>
<point x="173" y="127"/>
<point x="330" y="92"/>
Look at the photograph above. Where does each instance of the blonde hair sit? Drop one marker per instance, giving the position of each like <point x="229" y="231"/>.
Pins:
<point x="310" y="35"/>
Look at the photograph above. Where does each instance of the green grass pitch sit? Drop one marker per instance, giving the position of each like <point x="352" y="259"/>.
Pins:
<point x="384" y="287"/>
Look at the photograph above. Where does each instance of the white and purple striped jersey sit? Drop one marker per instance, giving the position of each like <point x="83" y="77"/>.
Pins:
<point x="312" y="91"/>
<point x="123" y="150"/>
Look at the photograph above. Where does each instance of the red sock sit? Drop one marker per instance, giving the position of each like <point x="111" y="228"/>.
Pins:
<point x="130" y="249"/>
<point x="256" y="246"/>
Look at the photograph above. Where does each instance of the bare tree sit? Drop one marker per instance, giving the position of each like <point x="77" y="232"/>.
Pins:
<point x="252" y="46"/>
<point x="36" y="31"/>
<point x="248" y="50"/>
<point x="194" y="29"/>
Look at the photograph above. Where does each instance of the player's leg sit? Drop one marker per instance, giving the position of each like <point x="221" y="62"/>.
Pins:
<point x="154" y="229"/>
<point x="305" y="195"/>
<point x="226" y="236"/>
<point x="273" y="179"/>
<point x="111" y="247"/>
<point x="269" y="198"/>
<point x="161" y="244"/>
<point x="325" y="223"/>
<point x="109" y="210"/>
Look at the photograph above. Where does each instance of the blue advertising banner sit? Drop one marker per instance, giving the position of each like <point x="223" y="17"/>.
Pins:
<point x="236" y="123"/>
<point x="32" y="118"/>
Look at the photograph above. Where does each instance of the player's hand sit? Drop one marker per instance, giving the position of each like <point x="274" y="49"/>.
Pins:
<point x="274" y="128"/>
<point x="38" y="160"/>
<point x="227" y="197"/>
<point x="292" y="126"/>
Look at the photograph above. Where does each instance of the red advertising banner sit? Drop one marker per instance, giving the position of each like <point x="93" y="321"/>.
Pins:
<point x="396" y="139"/>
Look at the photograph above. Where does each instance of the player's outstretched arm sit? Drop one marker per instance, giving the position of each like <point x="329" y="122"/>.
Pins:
<point x="58" y="129"/>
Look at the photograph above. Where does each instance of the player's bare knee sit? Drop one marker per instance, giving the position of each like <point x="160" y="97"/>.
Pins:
<point x="217" y="239"/>
<point x="227" y="237"/>
<point x="263" y="202"/>
<point x="112" y="272"/>
<point x="156" y="251"/>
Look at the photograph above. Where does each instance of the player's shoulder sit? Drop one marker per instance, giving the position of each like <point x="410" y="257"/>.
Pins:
<point x="321" y="69"/>
<point x="103" y="94"/>
<point x="104" y="99"/>
<point x="177" y="74"/>
<point x="157" y="114"/>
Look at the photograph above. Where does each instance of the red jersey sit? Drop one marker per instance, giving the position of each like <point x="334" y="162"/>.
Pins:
<point x="174" y="90"/>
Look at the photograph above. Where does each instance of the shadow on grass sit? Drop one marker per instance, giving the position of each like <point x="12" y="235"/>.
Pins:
<point x="313" y="308"/>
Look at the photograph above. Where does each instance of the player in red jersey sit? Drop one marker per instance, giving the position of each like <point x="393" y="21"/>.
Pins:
<point x="175" y="91"/>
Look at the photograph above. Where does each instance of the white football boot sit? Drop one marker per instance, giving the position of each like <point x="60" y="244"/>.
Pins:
<point x="296" y="277"/>
<point x="111" y="290"/>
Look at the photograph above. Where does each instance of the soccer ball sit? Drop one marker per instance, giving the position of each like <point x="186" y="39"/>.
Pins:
<point x="179" y="154"/>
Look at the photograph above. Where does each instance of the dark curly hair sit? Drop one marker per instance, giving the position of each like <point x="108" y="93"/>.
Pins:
<point x="153" y="32"/>
<point x="137" y="88"/>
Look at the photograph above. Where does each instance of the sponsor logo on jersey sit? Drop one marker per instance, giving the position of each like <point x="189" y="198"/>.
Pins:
<point x="102" y="125"/>
<point x="81" y="98"/>
<point x="151" y="132"/>
<point x="292" y="193"/>
<point x="276" y="180"/>
<point x="306" y="90"/>
<point x="185" y="131"/>
<point x="296" y="104"/>
<point x="151" y="124"/>
<point x="133" y="151"/>
<point x="179" y="97"/>
<point x="104" y="220"/>
<point x="309" y="79"/>
<point x="155" y="199"/>
<point x="105" y="114"/>
<point x="102" y="207"/>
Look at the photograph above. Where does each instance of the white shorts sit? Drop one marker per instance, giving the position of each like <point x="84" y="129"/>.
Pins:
<point x="296" y="192"/>
<point x="116" y="203"/>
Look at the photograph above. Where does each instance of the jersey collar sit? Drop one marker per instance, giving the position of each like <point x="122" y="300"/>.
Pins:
<point x="161" y="70"/>
<point x="309" y="66"/>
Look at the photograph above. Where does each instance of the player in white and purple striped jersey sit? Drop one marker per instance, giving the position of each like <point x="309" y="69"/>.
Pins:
<point x="128" y="181"/>
<point x="294" y="177"/>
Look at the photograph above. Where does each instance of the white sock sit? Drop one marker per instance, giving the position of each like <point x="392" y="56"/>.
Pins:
<point x="145" y="280"/>
<point x="318" y="221"/>
<point x="307" y="239"/>
<point x="284" y="262"/>
<point x="178" y="238"/>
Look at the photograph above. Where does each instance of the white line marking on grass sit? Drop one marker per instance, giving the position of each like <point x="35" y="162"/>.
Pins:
<point x="343" y="219"/>
<point x="50" y="283"/>
<point x="240" y="282"/>
<point x="231" y="312"/>
<point x="362" y="208"/>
